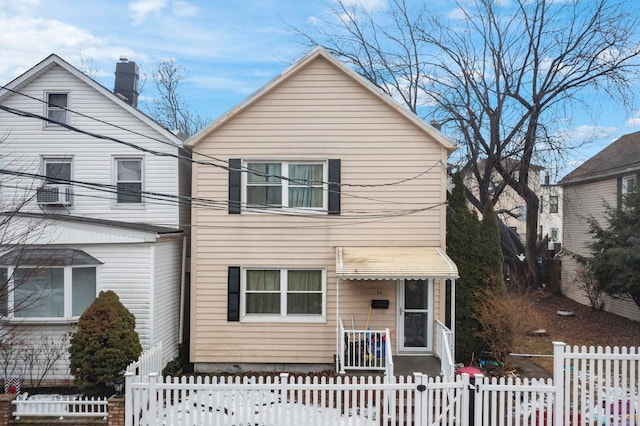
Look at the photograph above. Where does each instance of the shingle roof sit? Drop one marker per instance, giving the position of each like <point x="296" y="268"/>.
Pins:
<point x="621" y="156"/>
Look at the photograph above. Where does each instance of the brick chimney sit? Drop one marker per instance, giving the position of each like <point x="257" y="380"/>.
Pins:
<point x="126" y="85"/>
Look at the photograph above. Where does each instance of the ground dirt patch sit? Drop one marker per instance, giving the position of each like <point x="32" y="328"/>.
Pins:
<point x="586" y="327"/>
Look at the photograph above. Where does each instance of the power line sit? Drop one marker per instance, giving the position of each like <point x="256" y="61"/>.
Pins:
<point x="169" y="199"/>
<point x="226" y="165"/>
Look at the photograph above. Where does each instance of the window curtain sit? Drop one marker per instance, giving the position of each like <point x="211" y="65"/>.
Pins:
<point x="304" y="295"/>
<point x="263" y="292"/>
<point x="305" y="185"/>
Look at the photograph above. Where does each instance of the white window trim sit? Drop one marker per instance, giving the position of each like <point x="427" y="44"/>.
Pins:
<point x="68" y="286"/>
<point x="114" y="179"/>
<point x="625" y="184"/>
<point x="285" y="188"/>
<point x="297" y="318"/>
<point x="52" y="126"/>
<point x="553" y="204"/>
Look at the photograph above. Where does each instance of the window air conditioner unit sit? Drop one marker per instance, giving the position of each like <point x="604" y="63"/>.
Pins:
<point x="54" y="195"/>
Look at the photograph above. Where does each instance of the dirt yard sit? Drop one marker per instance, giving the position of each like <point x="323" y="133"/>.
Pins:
<point x="586" y="327"/>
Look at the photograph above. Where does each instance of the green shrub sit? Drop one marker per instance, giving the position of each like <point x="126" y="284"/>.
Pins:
<point x="104" y="343"/>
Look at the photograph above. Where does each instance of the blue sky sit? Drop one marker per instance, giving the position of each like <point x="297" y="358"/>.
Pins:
<point x="228" y="48"/>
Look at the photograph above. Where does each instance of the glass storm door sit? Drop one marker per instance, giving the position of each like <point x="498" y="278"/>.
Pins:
<point x="415" y="316"/>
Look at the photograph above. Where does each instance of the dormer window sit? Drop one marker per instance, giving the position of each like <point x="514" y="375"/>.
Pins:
<point x="56" y="108"/>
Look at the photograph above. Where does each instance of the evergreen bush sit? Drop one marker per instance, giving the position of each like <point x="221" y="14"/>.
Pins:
<point x="104" y="343"/>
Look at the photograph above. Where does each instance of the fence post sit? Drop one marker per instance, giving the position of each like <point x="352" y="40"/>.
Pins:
<point x="558" y="382"/>
<point x="128" y="398"/>
<point x="153" y="400"/>
<point x="6" y="408"/>
<point x="116" y="411"/>
<point x="420" y="397"/>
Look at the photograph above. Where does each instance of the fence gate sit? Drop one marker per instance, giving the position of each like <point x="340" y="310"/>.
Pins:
<point x="512" y="401"/>
<point x="440" y="402"/>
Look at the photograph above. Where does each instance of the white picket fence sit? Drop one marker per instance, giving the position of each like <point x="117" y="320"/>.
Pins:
<point x="60" y="406"/>
<point x="591" y="386"/>
<point x="288" y="400"/>
<point x="150" y="361"/>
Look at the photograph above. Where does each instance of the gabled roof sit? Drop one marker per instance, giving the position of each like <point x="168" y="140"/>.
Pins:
<point x="294" y="69"/>
<point x="54" y="60"/>
<point x="620" y="157"/>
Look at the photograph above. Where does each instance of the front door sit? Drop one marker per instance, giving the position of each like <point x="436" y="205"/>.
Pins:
<point x="415" y="316"/>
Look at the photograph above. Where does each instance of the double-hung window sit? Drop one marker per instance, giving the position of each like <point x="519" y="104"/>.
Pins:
<point x="56" y="188"/>
<point x="283" y="294"/>
<point x="553" y="204"/>
<point x="56" y="108"/>
<point x="128" y="181"/>
<point x="286" y="185"/>
<point x="629" y="185"/>
<point x="47" y="284"/>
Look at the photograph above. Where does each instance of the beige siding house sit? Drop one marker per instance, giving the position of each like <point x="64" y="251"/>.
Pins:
<point x="600" y="181"/>
<point x="313" y="198"/>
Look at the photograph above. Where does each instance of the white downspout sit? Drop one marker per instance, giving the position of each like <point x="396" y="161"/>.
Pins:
<point x="338" y="271"/>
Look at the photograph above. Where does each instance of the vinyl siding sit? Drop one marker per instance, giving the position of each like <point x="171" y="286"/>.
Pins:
<point x="581" y="201"/>
<point x="393" y="188"/>
<point x="166" y="296"/>
<point x="28" y="141"/>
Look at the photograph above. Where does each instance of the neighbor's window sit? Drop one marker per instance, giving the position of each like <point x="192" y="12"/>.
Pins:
<point x="286" y="185"/>
<point x="629" y="185"/>
<point x="554" y="234"/>
<point x="284" y="292"/>
<point x="553" y="204"/>
<point x="63" y="292"/>
<point x="128" y="174"/>
<point x="57" y="108"/>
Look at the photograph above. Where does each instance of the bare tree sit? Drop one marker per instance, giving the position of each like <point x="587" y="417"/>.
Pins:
<point x="502" y="79"/>
<point x="169" y="108"/>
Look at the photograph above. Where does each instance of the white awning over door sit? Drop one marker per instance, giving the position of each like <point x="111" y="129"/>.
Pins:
<point x="394" y="263"/>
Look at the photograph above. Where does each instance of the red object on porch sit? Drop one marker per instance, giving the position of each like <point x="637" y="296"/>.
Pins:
<point x="471" y="371"/>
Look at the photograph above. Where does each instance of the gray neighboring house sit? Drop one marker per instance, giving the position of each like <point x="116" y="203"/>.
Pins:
<point x="602" y="180"/>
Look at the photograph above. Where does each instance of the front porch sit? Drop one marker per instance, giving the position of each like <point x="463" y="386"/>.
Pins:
<point x="369" y="351"/>
<point x="402" y="333"/>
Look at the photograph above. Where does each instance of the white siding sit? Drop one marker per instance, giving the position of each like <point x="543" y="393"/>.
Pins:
<point x="393" y="177"/>
<point x="166" y="296"/>
<point x="27" y="142"/>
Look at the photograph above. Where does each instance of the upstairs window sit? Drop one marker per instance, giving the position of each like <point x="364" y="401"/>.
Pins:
<point x="56" y="188"/>
<point x="57" y="108"/>
<point x="629" y="185"/>
<point x="553" y="204"/>
<point x="286" y="185"/>
<point x="128" y="174"/>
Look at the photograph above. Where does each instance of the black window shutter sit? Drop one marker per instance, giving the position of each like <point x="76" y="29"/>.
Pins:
<point x="235" y="182"/>
<point x="334" y="187"/>
<point x="619" y="193"/>
<point x="233" y="294"/>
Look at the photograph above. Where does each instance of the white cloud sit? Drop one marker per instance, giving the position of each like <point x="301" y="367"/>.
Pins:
<point x="587" y="133"/>
<point x="457" y="14"/>
<point x="368" y="5"/>
<point x="220" y="83"/>
<point x="143" y="8"/>
<point x="183" y="8"/>
<point x="634" y="121"/>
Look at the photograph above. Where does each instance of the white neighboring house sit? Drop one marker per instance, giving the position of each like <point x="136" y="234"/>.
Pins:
<point x="550" y="214"/>
<point x="95" y="197"/>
